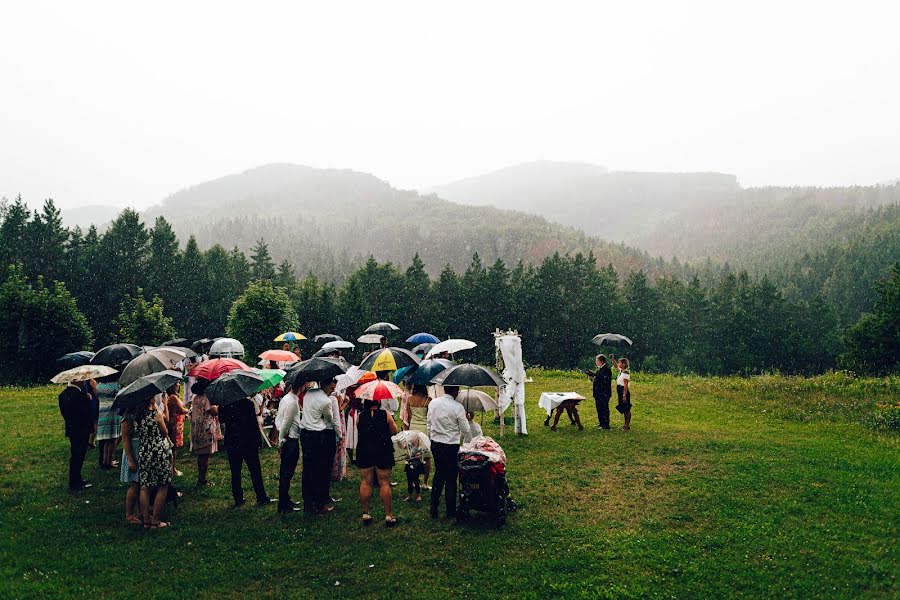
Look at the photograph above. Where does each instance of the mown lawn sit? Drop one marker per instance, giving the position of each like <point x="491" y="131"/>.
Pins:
<point x="725" y="487"/>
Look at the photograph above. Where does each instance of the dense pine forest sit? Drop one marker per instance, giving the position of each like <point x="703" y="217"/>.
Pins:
<point x="63" y="290"/>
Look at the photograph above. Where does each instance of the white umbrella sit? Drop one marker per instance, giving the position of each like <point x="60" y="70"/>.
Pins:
<point x="476" y="401"/>
<point x="450" y="346"/>
<point x="369" y="338"/>
<point x="611" y="339"/>
<point x="83" y="373"/>
<point x="338" y="345"/>
<point x="227" y="348"/>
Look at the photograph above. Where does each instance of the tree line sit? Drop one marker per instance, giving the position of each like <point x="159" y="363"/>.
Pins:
<point x="66" y="290"/>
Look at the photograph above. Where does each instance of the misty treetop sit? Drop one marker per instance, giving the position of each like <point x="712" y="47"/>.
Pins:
<point x="138" y="284"/>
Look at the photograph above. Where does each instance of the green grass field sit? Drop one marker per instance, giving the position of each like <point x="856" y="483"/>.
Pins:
<point x="765" y="487"/>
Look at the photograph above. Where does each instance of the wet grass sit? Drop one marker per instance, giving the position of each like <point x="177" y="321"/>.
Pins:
<point x="725" y="487"/>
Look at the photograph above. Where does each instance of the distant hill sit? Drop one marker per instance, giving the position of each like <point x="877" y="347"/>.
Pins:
<point x="613" y="205"/>
<point x="327" y="221"/>
<point x="85" y="216"/>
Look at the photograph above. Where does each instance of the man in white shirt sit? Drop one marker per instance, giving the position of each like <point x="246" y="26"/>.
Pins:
<point x="318" y="428"/>
<point x="447" y="424"/>
<point x="287" y="421"/>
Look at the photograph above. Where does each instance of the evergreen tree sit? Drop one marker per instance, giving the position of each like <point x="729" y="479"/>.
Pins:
<point x="873" y="342"/>
<point x="285" y="278"/>
<point x="262" y="267"/>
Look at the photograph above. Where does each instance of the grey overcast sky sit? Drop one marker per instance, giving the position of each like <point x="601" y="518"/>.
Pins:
<point x="123" y="103"/>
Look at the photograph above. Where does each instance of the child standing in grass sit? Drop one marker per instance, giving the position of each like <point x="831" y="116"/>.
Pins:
<point x="623" y="390"/>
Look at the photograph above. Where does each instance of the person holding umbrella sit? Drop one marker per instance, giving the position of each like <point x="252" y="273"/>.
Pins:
<point x="447" y="425"/>
<point x="287" y="421"/>
<point x="75" y="407"/>
<point x="204" y="429"/>
<point x="242" y="439"/>
<point x="602" y="379"/>
<point x="154" y="462"/>
<point x="319" y="429"/>
<point x="375" y="456"/>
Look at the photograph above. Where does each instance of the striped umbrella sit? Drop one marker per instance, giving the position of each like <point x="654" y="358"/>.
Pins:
<point x="389" y="359"/>
<point x="379" y="391"/>
<point x="290" y="336"/>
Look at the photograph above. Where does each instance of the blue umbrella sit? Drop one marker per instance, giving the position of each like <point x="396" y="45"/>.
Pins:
<point x="422" y="338"/>
<point x="428" y="370"/>
<point x="402" y="372"/>
<point x="74" y="359"/>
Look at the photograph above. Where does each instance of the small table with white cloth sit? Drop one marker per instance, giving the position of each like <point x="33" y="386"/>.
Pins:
<point x="560" y="401"/>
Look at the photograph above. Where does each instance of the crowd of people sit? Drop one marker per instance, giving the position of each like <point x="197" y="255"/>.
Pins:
<point x="324" y="424"/>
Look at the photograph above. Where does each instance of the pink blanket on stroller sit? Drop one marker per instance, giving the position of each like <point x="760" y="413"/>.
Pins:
<point x="487" y="446"/>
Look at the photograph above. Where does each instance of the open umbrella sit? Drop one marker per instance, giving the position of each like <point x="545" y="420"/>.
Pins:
<point x="324" y="352"/>
<point x="338" y="345"/>
<point x="370" y="338"/>
<point x="176" y="342"/>
<point x="610" y="339"/>
<point x="116" y="355"/>
<point x="422" y="338"/>
<point x="82" y="373"/>
<point x="201" y="346"/>
<point x="381" y="328"/>
<point x="328" y="337"/>
<point x="476" y="401"/>
<point x="450" y="346"/>
<point x="143" y="389"/>
<point x="379" y="390"/>
<point x="270" y="377"/>
<point x="468" y="375"/>
<point x="188" y="353"/>
<point x="227" y="348"/>
<point x="74" y="359"/>
<point x="152" y="361"/>
<point x="316" y="369"/>
<point x="211" y="369"/>
<point x="279" y="356"/>
<point x="233" y="386"/>
<point x="422" y="349"/>
<point x="290" y="336"/>
<point x="428" y="370"/>
<point x="389" y="359"/>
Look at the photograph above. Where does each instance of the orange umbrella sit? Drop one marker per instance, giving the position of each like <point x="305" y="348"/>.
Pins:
<point x="279" y="356"/>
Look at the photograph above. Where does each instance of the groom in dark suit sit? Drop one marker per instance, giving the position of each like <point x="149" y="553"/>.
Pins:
<point x="602" y="390"/>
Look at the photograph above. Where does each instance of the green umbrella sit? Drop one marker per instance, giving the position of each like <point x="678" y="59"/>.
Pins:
<point x="270" y="377"/>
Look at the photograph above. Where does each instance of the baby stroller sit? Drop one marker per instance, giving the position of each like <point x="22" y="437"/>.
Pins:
<point x="482" y="480"/>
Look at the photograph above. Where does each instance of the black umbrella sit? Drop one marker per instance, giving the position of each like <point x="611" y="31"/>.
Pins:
<point x="320" y="368"/>
<point x="382" y="328"/>
<point x="389" y="359"/>
<point x="325" y="352"/>
<point x="423" y="348"/>
<point x="201" y="346"/>
<point x="74" y="359"/>
<point x="468" y="375"/>
<point x="116" y="355"/>
<point x="328" y="337"/>
<point x="428" y="370"/>
<point x="144" y="388"/>
<point x="233" y="386"/>
<point x="176" y="342"/>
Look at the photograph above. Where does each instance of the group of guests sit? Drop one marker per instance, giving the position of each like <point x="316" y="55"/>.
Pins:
<point x="602" y="391"/>
<point x="326" y="428"/>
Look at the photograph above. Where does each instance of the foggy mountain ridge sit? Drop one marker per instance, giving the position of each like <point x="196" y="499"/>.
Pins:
<point x="613" y="205"/>
<point x="327" y="221"/>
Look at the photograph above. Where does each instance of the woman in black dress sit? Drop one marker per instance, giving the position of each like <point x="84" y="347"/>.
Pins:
<point x="375" y="456"/>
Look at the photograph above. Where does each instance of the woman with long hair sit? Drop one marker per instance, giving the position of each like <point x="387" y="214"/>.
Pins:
<point x="154" y="463"/>
<point x="623" y="389"/>
<point x="204" y="429"/>
<point x="415" y="418"/>
<point x="375" y="458"/>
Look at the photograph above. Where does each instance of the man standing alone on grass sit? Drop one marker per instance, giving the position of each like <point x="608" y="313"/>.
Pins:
<point x="76" y="412"/>
<point x="602" y="390"/>
<point x="447" y="424"/>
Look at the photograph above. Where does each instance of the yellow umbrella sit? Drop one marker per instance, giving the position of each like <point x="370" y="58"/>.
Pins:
<point x="389" y="359"/>
<point x="290" y="336"/>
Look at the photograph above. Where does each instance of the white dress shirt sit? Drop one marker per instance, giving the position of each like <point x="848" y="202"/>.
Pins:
<point x="287" y="420"/>
<point x="317" y="414"/>
<point x="447" y="422"/>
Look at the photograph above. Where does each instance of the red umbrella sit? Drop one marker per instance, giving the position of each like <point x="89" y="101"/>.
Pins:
<point x="211" y="369"/>
<point x="379" y="390"/>
<point x="279" y="356"/>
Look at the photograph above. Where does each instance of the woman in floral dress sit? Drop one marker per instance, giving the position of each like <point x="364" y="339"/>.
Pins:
<point x="205" y="431"/>
<point x="154" y="462"/>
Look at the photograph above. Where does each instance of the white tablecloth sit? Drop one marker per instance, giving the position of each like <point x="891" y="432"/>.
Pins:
<point x="550" y="400"/>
